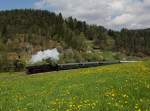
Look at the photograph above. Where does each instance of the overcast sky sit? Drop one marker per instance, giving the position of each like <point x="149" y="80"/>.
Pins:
<point x="114" y="14"/>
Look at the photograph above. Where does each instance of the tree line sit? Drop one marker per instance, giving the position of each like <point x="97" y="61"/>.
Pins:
<point x="26" y="31"/>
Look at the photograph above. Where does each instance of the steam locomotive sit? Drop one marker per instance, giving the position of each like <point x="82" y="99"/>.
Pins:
<point x="58" y="67"/>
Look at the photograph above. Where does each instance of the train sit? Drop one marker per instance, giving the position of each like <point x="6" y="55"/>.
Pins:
<point x="58" y="67"/>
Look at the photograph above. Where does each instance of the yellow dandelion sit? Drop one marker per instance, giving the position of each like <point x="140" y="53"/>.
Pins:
<point x="79" y="106"/>
<point x="113" y="94"/>
<point x="126" y="102"/>
<point x="139" y="110"/>
<point x="70" y="105"/>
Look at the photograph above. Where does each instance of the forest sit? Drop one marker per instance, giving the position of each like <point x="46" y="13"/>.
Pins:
<point x="24" y="32"/>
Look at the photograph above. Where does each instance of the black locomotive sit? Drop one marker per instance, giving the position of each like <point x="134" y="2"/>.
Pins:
<point x="57" y="67"/>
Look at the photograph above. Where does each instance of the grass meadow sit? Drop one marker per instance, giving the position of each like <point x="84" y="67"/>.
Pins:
<point x="120" y="87"/>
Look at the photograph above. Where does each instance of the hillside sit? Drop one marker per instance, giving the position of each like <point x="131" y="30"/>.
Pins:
<point x="24" y="32"/>
<point x="123" y="87"/>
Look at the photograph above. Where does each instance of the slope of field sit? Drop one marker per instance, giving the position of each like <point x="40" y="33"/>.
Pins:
<point x="123" y="87"/>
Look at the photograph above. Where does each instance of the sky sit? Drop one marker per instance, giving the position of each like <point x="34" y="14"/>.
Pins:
<point x="112" y="14"/>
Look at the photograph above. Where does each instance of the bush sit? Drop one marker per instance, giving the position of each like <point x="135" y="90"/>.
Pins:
<point x="93" y="56"/>
<point x="19" y="65"/>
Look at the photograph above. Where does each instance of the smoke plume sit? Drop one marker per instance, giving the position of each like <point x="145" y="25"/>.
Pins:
<point x="53" y="54"/>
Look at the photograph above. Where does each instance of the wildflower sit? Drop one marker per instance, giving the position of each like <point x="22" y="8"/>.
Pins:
<point x="124" y="95"/>
<point x="136" y="106"/>
<point x="126" y="102"/>
<point x="109" y="103"/>
<point x="79" y="106"/>
<point x="139" y="110"/>
<point x="70" y="105"/>
<point x="113" y="95"/>
<point x="94" y="104"/>
<point x="74" y="98"/>
<point x="93" y="107"/>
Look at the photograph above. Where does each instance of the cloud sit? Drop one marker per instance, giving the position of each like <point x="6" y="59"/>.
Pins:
<point x="114" y="14"/>
<point x="123" y="19"/>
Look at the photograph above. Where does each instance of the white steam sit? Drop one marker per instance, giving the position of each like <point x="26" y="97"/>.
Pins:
<point x="53" y="54"/>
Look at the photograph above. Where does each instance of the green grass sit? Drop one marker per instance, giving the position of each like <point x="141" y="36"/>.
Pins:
<point x="123" y="87"/>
